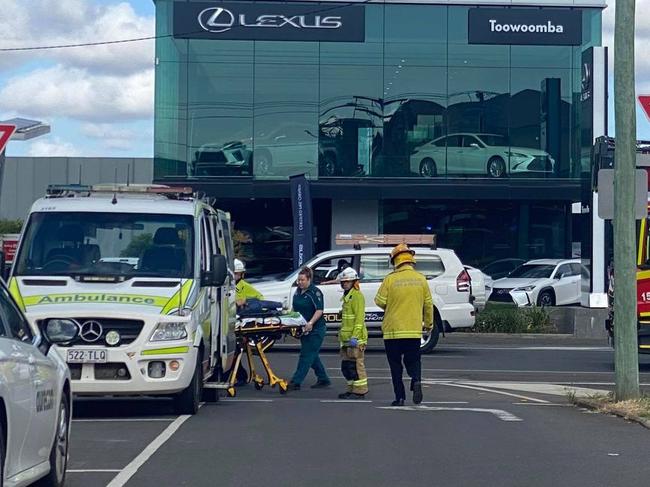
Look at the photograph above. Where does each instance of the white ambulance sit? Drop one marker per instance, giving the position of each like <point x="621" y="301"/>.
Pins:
<point x="143" y="271"/>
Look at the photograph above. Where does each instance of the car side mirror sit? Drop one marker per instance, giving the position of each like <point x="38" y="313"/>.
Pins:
<point x="57" y="331"/>
<point x="217" y="276"/>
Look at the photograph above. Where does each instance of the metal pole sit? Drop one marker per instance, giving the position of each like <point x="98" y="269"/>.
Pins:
<point x="625" y="327"/>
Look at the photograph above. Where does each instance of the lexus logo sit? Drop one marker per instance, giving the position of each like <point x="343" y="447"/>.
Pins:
<point x="91" y="331"/>
<point x="216" y="19"/>
<point x="219" y="19"/>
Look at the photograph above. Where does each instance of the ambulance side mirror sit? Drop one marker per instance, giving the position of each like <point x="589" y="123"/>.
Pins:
<point x="218" y="273"/>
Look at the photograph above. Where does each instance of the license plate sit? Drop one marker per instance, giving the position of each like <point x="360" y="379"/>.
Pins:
<point x="86" y="356"/>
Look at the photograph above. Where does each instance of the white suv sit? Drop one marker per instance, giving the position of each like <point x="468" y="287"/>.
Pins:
<point x="449" y="282"/>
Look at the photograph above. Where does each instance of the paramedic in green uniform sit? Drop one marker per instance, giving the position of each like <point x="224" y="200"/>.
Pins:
<point x="243" y="290"/>
<point x="308" y="301"/>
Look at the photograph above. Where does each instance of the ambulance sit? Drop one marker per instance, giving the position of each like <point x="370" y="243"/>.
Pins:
<point x="145" y="273"/>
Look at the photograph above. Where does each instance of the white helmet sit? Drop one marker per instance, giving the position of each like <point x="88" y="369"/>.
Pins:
<point x="348" y="274"/>
<point x="239" y="266"/>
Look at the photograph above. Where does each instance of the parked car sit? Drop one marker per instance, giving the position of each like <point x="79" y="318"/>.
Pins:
<point x="231" y="158"/>
<point x="449" y="281"/>
<point x="481" y="287"/>
<point x="501" y="268"/>
<point x="543" y="282"/>
<point x="485" y="154"/>
<point x="35" y="401"/>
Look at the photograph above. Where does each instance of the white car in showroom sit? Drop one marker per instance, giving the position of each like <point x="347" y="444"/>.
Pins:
<point x="478" y="154"/>
<point x="449" y="281"/>
<point x="35" y="401"/>
<point x="542" y="282"/>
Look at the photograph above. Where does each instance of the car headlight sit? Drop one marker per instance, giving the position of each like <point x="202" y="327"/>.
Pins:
<point x="518" y="155"/>
<point x="525" y="288"/>
<point x="169" y="331"/>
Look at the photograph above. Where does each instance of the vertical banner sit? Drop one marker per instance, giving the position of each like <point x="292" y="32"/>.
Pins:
<point x="303" y="241"/>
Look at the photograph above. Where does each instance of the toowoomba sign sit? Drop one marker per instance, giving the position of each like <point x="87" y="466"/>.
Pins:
<point x="560" y="27"/>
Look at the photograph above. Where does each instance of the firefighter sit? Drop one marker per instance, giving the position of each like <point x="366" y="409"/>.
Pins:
<point x="308" y="301"/>
<point x="406" y="298"/>
<point x="243" y="290"/>
<point x="353" y="336"/>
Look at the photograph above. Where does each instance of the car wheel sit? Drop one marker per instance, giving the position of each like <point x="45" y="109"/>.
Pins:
<point x="3" y="453"/>
<point x="328" y="166"/>
<point x="429" y="340"/>
<point x="546" y="298"/>
<point x="59" y="451"/>
<point x="428" y="168"/>
<point x="262" y="164"/>
<point x="496" y="167"/>
<point x="187" y="402"/>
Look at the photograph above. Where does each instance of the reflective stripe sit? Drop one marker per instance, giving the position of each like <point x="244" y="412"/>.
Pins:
<point x="402" y="334"/>
<point x="362" y="382"/>
<point x="89" y="298"/>
<point x="14" y="290"/>
<point x="641" y="246"/>
<point x="179" y="299"/>
<point x="165" y="351"/>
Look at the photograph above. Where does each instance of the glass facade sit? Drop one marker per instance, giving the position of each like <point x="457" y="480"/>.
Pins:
<point x="415" y="100"/>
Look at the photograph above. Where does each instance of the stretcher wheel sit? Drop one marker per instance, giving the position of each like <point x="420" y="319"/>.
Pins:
<point x="283" y="388"/>
<point x="259" y="385"/>
<point x="232" y="392"/>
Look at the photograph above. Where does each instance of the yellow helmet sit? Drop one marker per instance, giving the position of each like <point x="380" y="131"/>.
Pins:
<point x="402" y="254"/>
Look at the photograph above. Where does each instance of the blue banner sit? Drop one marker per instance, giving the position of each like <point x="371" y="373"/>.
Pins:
<point x="303" y="239"/>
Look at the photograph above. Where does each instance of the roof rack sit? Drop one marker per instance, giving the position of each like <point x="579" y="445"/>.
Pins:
<point x="69" y="190"/>
<point x="356" y="240"/>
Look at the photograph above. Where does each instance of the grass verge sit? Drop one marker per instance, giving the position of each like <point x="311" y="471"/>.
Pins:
<point x="637" y="410"/>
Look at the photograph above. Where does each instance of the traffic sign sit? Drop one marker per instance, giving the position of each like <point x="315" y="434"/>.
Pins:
<point x="644" y="101"/>
<point x="6" y="131"/>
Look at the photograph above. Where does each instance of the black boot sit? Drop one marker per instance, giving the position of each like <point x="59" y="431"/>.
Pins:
<point x="321" y="384"/>
<point x="292" y="386"/>
<point x="397" y="402"/>
<point x="417" y="392"/>
<point x="345" y="395"/>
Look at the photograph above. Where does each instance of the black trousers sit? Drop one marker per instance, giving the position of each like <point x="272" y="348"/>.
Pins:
<point x="407" y="349"/>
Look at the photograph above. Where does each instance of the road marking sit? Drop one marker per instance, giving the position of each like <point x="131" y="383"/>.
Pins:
<point x="526" y="398"/>
<point x="537" y="349"/>
<point x="123" y="420"/>
<point x="538" y="404"/>
<point x="130" y="470"/>
<point x="444" y="402"/>
<point x="345" y="401"/>
<point x="544" y="388"/>
<point x="499" y="413"/>
<point x="94" y="471"/>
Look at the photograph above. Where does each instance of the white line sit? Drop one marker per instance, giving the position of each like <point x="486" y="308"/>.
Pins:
<point x="499" y="413"/>
<point x="444" y="402"/>
<point x="538" y="404"/>
<point x="123" y="420"/>
<point x="99" y="470"/>
<point x="345" y="401"/>
<point x="526" y="398"/>
<point x="130" y="470"/>
<point x="538" y="349"/>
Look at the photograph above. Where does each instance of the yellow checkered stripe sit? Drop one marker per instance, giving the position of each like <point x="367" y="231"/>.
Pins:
<point x="14" y="290"/>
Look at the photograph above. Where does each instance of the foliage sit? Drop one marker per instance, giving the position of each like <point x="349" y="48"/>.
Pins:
<point x="10" y="226"/>
<point x="138" y="245"/>
<point x="510" y="319"/>
<point x="240" y="238"/>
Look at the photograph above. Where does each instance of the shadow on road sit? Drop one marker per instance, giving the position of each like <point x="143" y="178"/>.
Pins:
<point x="95" y="408"/>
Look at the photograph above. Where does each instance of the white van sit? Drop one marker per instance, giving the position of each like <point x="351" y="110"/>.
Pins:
<point x="143" y="272"/>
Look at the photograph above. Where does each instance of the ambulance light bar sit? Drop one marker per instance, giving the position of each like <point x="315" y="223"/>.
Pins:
<point x="357" y="240"/>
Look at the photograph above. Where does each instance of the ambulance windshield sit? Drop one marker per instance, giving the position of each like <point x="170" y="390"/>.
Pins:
<point x="106" y="244"/>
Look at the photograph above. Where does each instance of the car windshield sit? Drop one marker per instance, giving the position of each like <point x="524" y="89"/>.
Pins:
<point x="532" y="271"/>
<point x="499" y="140"/>
<point x="107" y="244"/>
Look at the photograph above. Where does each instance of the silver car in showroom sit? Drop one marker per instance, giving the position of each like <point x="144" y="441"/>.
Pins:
<point x="478" y="154"/>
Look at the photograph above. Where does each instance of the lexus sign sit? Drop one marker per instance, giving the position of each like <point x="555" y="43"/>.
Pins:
<point x="269" y="21"/>
<point x="544" y="27"/>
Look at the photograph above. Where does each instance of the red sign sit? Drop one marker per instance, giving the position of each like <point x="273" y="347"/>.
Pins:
<point x="6" y="131"/>
<point x="10" y="246"/>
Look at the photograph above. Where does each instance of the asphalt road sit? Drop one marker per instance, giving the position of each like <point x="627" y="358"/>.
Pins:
<point x="495" y="413"/>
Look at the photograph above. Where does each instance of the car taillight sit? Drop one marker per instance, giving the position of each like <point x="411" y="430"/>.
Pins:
<point x="463" y="282"/>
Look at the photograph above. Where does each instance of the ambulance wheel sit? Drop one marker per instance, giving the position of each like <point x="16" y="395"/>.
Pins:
<point x="187" y="402"/>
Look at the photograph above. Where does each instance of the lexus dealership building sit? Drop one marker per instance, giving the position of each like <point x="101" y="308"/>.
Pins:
<point x="470" y="120"/>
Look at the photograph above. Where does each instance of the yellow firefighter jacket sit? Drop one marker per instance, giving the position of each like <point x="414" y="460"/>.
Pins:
<point x="406" y="298"/>
<point x="353" y="318"/>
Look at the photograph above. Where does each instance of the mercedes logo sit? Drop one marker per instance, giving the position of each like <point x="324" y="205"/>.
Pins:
<point x="216" y="19"/>
<point x="91" y="331"/>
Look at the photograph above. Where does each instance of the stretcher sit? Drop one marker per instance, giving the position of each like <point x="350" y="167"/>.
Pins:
<point x="255" y="335"/>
